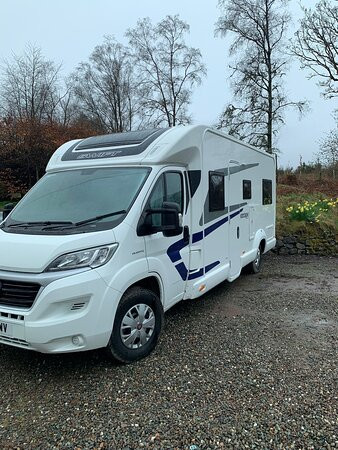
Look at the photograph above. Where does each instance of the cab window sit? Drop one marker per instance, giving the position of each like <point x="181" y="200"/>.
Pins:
<point x="168" y="188"/>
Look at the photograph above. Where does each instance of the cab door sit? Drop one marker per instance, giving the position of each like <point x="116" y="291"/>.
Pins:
<point x="169" y="255"/>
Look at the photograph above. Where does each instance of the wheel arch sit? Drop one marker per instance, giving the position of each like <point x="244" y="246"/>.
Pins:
<point x="151" y="282"/>
<point x="260" y="240"/>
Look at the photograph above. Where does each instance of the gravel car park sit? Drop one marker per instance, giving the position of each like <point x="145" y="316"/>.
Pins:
<point x="251" y="364"/>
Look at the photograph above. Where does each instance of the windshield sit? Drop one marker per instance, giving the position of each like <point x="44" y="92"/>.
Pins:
<point x="78" y="200"/>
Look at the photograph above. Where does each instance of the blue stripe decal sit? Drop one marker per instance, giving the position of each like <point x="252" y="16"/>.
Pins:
<point x="211" y="266"/>
<point x="216" y="225"/>
<point x="174" y="250"/>
<point x="182" y="270"/>
<point x="236" y="213"/>
<point x="196" y="237"/>
<point x="194" y="275"/>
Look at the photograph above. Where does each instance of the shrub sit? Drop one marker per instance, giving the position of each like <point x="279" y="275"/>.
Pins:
<point x="311" y="212"/>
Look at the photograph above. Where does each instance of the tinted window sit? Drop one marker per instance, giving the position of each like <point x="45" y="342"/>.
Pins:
<point x="156" y="199"/>
<point x="174" y="188"/>
<point x="168" y="188"/>
<point x="246" y="189"/>
<point x="267" y="192"/>
<point x="216" y="191"/>
<point x="77" y="195"/>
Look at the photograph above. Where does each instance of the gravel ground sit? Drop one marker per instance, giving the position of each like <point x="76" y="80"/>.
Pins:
<point x="252" y="364"/>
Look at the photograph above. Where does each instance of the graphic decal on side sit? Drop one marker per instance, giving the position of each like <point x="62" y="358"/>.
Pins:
<point x="174" y="250"/>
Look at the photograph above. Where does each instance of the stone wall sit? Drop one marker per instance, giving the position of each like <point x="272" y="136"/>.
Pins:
<point x="308" y="243"/>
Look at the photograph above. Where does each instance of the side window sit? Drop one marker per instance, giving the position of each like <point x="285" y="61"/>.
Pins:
<point x="156" y="199"/>
<point x="174" y="191"/>
<point x="267" y="192"/>
<point x="168" y="188"/>
<point x="246" y="189"/>
<point x="216" y="191"/>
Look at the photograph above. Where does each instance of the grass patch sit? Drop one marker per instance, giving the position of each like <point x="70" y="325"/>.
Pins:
<point x="285" y="226"/>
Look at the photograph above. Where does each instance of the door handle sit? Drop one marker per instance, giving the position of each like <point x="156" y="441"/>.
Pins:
<point x="237" y="232"/>
<point x="186" y="235"/>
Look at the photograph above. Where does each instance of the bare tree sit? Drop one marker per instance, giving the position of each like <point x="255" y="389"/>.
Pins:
<point x="328" y="154"/>
<point x="258" y="71"/>
<point x="107" y="89"/>
<point x="168" y="69"/>
<point x="30" y="86"/>
<point x="316" y="45"/>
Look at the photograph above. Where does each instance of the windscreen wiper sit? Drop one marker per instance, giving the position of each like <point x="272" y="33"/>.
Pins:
<point x="103" y="216"/>
<point x="45" y="223"/>
<point x="83" y="222"/>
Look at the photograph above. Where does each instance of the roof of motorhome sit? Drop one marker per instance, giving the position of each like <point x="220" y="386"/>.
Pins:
<point x="133" y="147"/>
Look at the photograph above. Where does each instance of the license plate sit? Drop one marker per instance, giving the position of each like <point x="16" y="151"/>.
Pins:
<point x="5" y="329"/>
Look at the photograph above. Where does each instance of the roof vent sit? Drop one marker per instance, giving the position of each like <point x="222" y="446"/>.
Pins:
<point x="115" y="140"/>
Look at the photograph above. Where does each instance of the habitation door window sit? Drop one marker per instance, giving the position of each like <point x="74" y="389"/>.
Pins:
<point x="216" y="191"/>
<point x="267" y="192"/>
<point x="246" y="189"/>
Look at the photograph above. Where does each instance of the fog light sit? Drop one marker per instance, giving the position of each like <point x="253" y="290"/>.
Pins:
<point x="77" y="340"/>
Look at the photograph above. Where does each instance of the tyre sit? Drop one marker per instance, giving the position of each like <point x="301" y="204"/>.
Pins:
<point x="137" y="326"/>
<point x="255" y="265"/>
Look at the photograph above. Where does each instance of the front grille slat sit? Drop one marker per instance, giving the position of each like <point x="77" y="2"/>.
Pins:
<point x="20" y="290"/>
<point x="13" y="294"/>
<point x="18" y="294"/>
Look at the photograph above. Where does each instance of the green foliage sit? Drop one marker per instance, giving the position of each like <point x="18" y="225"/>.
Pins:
<point x="300" y="212"/>
<point x="3" y="203"/>
<point x="311" y="211"/>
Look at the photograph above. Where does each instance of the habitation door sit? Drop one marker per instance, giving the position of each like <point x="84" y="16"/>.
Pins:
<point x="236" y="229"/>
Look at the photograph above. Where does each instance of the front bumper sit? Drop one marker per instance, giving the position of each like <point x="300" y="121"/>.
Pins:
<point x="72" y="313"/>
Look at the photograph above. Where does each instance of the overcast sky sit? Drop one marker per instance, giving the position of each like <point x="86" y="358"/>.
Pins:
<point x="68" y="30"/>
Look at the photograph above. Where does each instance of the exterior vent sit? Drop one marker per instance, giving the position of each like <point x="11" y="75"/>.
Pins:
<point x="77" y="306"/>
<point x="18" y="294"/>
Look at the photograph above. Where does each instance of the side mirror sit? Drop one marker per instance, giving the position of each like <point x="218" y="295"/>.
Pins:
<point x="170" y="222"/>
<point x="7" y="210"/>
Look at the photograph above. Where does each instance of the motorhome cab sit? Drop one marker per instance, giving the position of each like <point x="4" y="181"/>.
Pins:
<point x="124" y="226"/>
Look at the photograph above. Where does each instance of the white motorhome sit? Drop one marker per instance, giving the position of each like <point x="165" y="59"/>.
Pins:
<point x="121" y="228"/>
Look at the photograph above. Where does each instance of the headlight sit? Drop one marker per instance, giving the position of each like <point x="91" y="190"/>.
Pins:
<point x="93" y="257"/>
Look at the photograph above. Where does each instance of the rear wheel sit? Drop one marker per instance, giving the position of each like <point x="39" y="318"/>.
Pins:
<point x="255" y="265"/>
<point x="137" y="325"/>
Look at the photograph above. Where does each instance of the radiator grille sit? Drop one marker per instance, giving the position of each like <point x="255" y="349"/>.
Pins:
<point x="18" y="294"/>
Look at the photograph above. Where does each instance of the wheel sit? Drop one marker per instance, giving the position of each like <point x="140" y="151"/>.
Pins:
<point x="137" y="326"/>
<point x="255" y="265"/>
